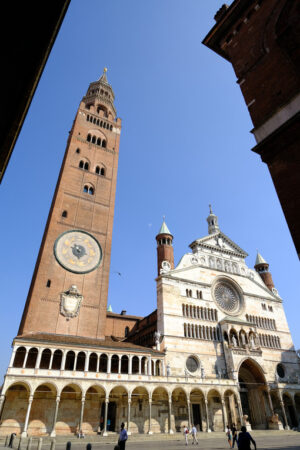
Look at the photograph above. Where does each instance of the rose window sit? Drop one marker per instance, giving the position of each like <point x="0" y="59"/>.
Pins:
<point x="227" y="297"/>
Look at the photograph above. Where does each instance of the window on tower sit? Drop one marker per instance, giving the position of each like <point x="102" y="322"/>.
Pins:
<point x="88" y="138"/>
<point x="86" y="166"/>
<point x="104" y="143"/>
<point x="102" y="171"/>
<point x="93" y="139"/>
<point x="64" y="214"/>
<point x="77" y="150"/>
<point x="91" y="191"/>
<point x="99" y="141"/>
<point x="48" y="283"/>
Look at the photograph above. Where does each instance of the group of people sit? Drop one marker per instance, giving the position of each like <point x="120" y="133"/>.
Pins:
<point x="193" y="433"/>
<point x="243" y="440"/>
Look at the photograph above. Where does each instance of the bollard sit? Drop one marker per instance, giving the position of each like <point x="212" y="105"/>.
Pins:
<point x="6" y="441"/>
<point x="20" y="443"/>
<point x="68" y="447"/>
<point x="40" y="444"/>
<point x="52" y="446"/>
<point x="89" y="446"/>
<point x="29" y="443"/>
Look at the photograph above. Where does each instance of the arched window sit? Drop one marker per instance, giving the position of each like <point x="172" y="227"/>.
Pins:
<point x="45" y="359"/>
<point x="19" y="357"/>
<point x="70" y="359"/>
<point x="97" y="170"/>
<point x="93" y="362"/>
<point x="111" y="128"/>
<point x="85" y="189"/>
<point x="98" y="141"/>
<point x="88" y="138"/>
<point x="31" y="358"/>
<point x="94" y="121"/>
<point x="91" y="191"/>
<point x="77" y="150"/>
<point x="91" y="119"/>
<point x="56" y="361"/>
<point x="104" y="143"/>
<point x="80" y="363"/>
<point x="98" y="121"/>
<point x="81" y="164"/>
<point x="102" y="171"/>
<point x="93" y="139"/>
<point x="87" y="117"/>
<point x="86" y="166"/>
<point x="64" y="214"/>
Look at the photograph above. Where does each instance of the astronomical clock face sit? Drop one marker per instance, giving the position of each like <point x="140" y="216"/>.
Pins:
<point x="227" y="297"/>
<point x="77" y="251"/>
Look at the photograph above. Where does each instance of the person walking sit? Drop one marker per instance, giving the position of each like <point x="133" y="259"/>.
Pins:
<point x="185" y="433"/>
<point x="229" y="436"/>
<point x="123" y="436"/>
<point x="194" y="434"/>
<point x="244" y="440"/>
<point x="234" y="435"/>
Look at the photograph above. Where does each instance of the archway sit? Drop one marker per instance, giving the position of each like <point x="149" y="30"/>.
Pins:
<point x="42" y="410"/>
<point x="297" y="405"/>
<point x="180" y="409"/>
<point x="160" y="411"/>
<point x="231" y="408"/>
<point x="215" y="416"/>
<point x="68" y="418"/>
<point x="198" y="409"/>
<point x="93" y="421"/>
<point x="289" y="410"/>
<point x="139" y="418"/>
<point x="117" y="408"/>
<point x="252" y="388"/>
<point x="15" y="408"/>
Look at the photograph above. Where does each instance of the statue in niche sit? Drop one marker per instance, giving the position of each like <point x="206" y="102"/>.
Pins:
<point x="243" y="339"/>
<point x="252" y="342"/>
<point x="157" y="336"/>
<point x="234" y="340"/>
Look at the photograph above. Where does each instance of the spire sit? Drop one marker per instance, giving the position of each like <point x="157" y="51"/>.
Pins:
<point x="259" y="260"/>
<point x="103" y="77"/>
<point x="109" y="309"/>
<point x="212" y="221"/>
<point x="164" y="229"/>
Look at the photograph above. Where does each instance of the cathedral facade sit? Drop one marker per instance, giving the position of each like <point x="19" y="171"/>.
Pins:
<point x="217" y="349"/>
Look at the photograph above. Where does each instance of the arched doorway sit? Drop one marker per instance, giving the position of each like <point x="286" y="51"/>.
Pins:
<point x="92" y="419"/>
<point x="231" y="407"/>
<point x="117" y="408"/>
<point x="198" y="409"/>
<point x="160" y="411"/>
<point x="15" y="407"/>
<point x="68" y="419"/>
<point x="42" y="410"/>
<point x="180" y="409"/>
<point x="290" y="410"/>
<point x="139" y="422"/>
<point x="252" y="389"/>
<point x="215" y="414"/>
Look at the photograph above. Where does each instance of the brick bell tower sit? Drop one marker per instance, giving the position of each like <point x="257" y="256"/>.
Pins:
<point x="165" y="251"/>
<point x="68" y="292"/>
<point x="262" y="267"/>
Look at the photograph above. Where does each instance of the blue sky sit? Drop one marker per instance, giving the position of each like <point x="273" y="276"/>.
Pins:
<point x="185" y="143"/>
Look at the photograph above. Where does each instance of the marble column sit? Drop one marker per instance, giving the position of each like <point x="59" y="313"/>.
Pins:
<point x="208" y="430"/>
<point x="51" y="359"/>
<point x="140" y="365"/>
<point x="150" y="416"/>
<point x="224" y="414"/>
<point x="86" y="363"/>
<point x="189" y="413"/>
<point x="53" y="432"/>
<point x="128" y="415"/>
<point x="12" y="358"/>
<point x="240" y="410"/>
<point x="286" y="427"/>
<point x="2" y="399"/>
<point x="81" y="413"/>
<point x="119" y="365"/>
<point x="109" y="364"/>
<point x="75" y="361"/>
<point x="38" y="359"/>
<point x="24" y="432"/>
<point x="25" y="359"/>
<point x="63" y="361"/>
<point x="105" y="417"/>
<point x="130" y="365"/>
<point x="149" y="366"/>
<point x="170" y="416"/>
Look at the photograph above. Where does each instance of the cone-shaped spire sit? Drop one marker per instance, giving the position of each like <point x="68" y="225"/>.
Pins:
<point x="109" y="309"/>
<point x="164" y="229"/>
<point x="259" y="260"/>
<point x="103" y="77"/>
<point x="212" y="220"/>
<point x="100" y="97"/>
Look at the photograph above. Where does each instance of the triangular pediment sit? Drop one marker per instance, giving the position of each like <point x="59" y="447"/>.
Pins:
<point x="219" y="242"/>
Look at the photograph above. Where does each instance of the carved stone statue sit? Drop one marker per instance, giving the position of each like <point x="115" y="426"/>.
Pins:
<point x="252" y="343"/>
<point x="234" y="341"/>
<point x="157" y="336"/>
<point x="168" y="370"/>
<point x="243" y="338"/>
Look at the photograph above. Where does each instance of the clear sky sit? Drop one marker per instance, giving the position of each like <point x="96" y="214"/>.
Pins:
<point x="185" y="143"/>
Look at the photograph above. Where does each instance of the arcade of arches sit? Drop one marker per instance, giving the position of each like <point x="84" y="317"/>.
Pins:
<point x="57" y="407"/>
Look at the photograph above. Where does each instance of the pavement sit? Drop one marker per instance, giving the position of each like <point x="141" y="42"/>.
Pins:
<point x="285" y="440"/>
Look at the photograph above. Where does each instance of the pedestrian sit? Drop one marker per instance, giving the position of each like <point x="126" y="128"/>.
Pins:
<point x="11" y="440"/>
<point x="123" y="436"/>
<point x="185" y="433"/>
<point x="194" y="434"/>
<point x="234" y="435"/>
<point x="229" y="436"/>
<point x="245" y="439"/>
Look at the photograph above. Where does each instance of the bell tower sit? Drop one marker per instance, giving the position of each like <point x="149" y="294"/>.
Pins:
<point x="165" y="251"/>
<point x="68" y="292"/>
<point x="262" y="267"/>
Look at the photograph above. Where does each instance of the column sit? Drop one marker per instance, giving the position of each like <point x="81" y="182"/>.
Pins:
<point x="208" y="430"/>
<point x="284" y="414"/>
<point x="163" y="368"/>
<point x="240" y="409"/>
<point x="189" y="413"/>
<point x="81" y="413"/>
<point x="98" y="363"/>
<point x="25" y="359"/>
<point x="149" y="366"/>
<point x="140" y="365"/>
<point x="128" y="415"/>
<point x="170" y="415"/>
<point x="75" y="361"/>
<point x="270" y="401"/>
<point x="150" y="416"/>
<point x="130" y="365"/>
<point x="105" y="417"/>
<point x="53" y="432"/>
<point x="87" y="360"/>
<point x="24" y="432"/>
<point x="224" y="413"/>
<point x="12" y="358"/>
<point x="119" y="365"/>
<point x="51" y="359"/>
<point x="38" y="359"/>
<point x="2" y="398"/>
<point x="63" y="360"/>
<point x="109" y="364"/>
